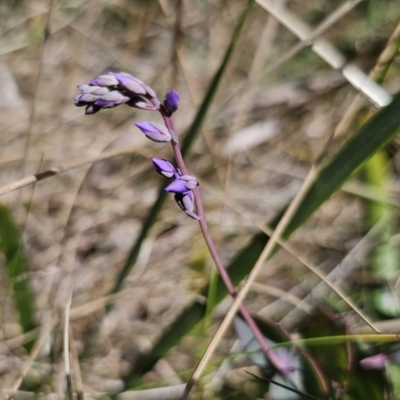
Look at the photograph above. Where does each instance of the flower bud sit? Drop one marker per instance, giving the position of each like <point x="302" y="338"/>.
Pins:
<point x="186" y="203"/>
<point x="114" y="89"/>
<point x="154" y="131"/>
<point x="171" y="101"/>
<point x="87" y="98"/>
<point x="124" y="78"/>
<point x="104" y="80"/>
<point x="145" y="106"/>
<point x="164" y="167"/>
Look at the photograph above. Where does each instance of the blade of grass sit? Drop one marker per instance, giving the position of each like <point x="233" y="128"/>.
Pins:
<point x="17" y="270"/>
<point x="372" y="136"/>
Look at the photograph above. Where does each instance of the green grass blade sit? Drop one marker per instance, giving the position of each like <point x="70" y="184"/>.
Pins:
<point x="370" y="138"/>
<point x="17" y="269"/>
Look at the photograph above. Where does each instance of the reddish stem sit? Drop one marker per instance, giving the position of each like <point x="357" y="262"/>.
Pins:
<point x="215" y="255"/>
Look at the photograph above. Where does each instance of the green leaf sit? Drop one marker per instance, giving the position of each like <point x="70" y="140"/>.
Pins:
<point x="17" y="269"/>
<point x="375" y="134"/>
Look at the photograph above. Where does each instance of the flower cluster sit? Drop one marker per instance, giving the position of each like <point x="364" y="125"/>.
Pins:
<point x="182" y="185"/>
<point x="113" y="89"/>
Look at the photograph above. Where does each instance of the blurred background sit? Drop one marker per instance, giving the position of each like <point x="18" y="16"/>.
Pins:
<point x="268" y="122"/>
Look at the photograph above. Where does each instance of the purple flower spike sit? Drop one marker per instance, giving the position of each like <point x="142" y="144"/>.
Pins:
<point x="186" y="203"/>
<point x="164" y="167"/>
<point x="113" y="89"/>
<point x="154" y="131"/>
<point x="171" y="101"/>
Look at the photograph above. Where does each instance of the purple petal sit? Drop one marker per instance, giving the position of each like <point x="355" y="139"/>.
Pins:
<point x="84" y="86"/>
<point x="98" y="90"/>
<point x="88" y="97"/>
<point x="171" y="101"/>
<point x="104" y="80"/>
<point x="164" y="167"/>
<point x="124" y="77"/>
<point x="178" y="186"/>
<point x="154" y="131"/>
<point x="149" y="127"/>
<point x="134" y="88"/>
<point x="149" y="91"/>
<point x="145" y="106"/>
<point x="115" y="96"/>
<point x="104" y="103"/>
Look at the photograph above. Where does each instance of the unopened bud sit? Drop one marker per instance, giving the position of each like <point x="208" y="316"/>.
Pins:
<point x="154" y="131"/>
<point x="171" y="101"/>
<point x="104" y="80"/>
<point x="164" y="167"/>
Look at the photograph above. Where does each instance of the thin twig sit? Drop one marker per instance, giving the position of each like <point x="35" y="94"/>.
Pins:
<point x="64" y="168"/>
<point x="77" y="368"/>
<point x="45" y="41"/>
<point x="47" y="327"/>
<point x="66" y="345"/>
<point x="355" y="76"/>
<point x="377" y="74"/>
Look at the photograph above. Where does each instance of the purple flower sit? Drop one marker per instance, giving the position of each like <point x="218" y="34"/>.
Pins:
<point x="186" y="203"/>
<point x="154" y="131"/>
<point x="182" y="184"/>
<point x="171" y="101"/>
<point x="113" y="89"/>
<point x="164" y="167"/>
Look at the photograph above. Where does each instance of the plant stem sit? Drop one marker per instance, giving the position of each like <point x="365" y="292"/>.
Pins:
<point x="214" y="252"/>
